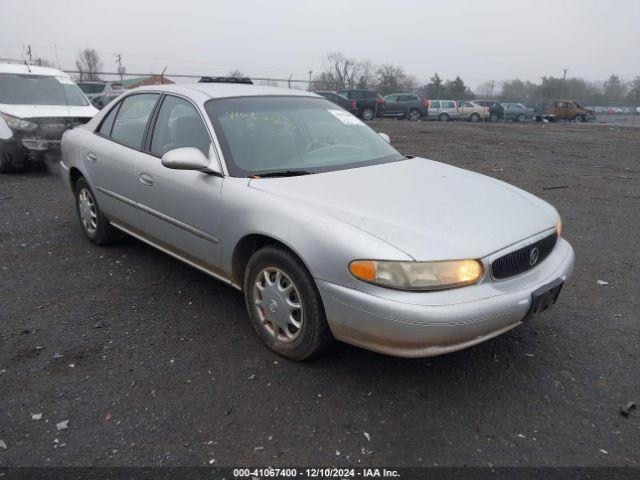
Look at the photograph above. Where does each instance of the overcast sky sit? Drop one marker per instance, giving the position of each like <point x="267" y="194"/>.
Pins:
<point x="478" y="40"/>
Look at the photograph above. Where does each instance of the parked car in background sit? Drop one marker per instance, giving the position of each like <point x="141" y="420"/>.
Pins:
<point x="563" y="110"/>
<point x="405" y="105"/>
<point x="517" y="112"/>
<point x="37" y="105"/>
<point x="368" y="102"/>
<point x="101" y="93"/>
<point x="442" y="110"/>
<point x="496" y="110"/>
<point x="472" y="111"/>
<point x="339" y="99"/>
<point x="328" y="230"/>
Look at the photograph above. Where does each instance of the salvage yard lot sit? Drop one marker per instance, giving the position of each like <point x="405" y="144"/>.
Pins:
<point x="154" y="363"/>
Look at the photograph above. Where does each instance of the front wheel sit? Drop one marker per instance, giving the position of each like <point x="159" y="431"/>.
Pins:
<point x="368" y="114"/>
<point x="94" y="223"/>
<point x="521" y="118"/>
<point x="284" y="304"/>
<point x="474" y="117"/>
<point x="443" y="117"/>
<point x="578" y="119"/>
<point x="493" y="117"/>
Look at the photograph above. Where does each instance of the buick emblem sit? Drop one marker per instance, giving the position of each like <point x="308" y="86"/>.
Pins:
<point x="534" y="255"/>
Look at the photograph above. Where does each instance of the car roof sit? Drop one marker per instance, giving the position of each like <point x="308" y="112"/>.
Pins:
<point x="225" y="90"/>
<point x="21" y="68"/>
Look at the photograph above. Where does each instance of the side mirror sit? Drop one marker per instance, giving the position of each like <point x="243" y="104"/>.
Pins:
<point x="386" y="137"/>
<point x="189" y="158"/>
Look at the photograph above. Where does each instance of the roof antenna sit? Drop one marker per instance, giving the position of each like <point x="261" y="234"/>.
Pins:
<point x="162" y="75"/>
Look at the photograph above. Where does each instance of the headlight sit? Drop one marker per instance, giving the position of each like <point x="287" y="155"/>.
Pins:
<point x="16" y="123"/>
<point x="558" y="226"/>
<point x="418" y="275"/>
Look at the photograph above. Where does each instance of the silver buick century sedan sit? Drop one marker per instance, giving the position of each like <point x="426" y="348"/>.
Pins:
<point x="328" y="230"/>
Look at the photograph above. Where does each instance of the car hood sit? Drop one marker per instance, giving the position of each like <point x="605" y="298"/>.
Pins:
<point x="35" y="111"/>
<point x="427" y="209"/>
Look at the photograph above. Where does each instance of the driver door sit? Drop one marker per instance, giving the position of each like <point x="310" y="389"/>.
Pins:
<point x="182" y="207"/>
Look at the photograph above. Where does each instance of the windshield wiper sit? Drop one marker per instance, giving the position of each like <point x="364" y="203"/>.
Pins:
<point x="283" y="173"/>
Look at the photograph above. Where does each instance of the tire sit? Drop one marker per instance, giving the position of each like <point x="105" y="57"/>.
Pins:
<point x="521" y="118"/>
<point x="414" y="115"/>
<point x="93" y="222"/>
<point x="578" y="118"/>
<point x="368" y="114"/>
<point x="5" y="165"/>
<point x="474" y="117"/>
<point x="443" y="117"/>
<point x="493" y="117"/>
<point x="270" y="309"/>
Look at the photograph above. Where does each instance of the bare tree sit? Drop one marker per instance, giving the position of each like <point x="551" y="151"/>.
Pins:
<point x="392" y="78"/>
<point x="340" y="71"/>
<point x="236" y="74"/>
<point x="88" y="64"/>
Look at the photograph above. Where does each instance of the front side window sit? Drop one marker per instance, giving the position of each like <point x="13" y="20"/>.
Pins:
<point x="274" y="134"/>
<point x="107" y="123"/>
<point x="131" y="120"/>
<point x="179" y="125"/>
<point x="27" y="89"/>
<point x="448" y="104"/>
<point x="434" y="104"/>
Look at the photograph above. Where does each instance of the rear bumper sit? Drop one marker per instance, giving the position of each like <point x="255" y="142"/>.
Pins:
<point x="433" y="323"/>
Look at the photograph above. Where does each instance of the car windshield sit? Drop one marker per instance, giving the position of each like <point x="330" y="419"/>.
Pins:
<point x="261" y="135"/>
<point x="91" y="87"/>
<point x="23" y="89"/>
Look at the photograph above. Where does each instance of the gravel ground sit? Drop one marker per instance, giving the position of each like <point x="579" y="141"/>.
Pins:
<point x="154" y="363"/>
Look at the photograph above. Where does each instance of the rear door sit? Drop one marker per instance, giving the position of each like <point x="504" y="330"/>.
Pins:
<point x="110" y="160"/>
<point x="391" y="104"/>
<point x="449" y="107"/>
<point x="182" y="207"/>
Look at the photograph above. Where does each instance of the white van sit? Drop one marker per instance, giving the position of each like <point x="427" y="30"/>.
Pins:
<point x="37" y="105"/>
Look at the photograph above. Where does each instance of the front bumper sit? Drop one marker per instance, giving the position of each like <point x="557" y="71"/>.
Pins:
<point x="22" y="151"/>
<point x="422" y="324"/>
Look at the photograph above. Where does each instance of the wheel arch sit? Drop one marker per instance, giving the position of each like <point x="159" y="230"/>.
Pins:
<point x="248" y="245"/>
<point x="74" y="175"/>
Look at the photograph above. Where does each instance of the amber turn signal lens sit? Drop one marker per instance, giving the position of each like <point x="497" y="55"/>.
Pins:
<point x="363" y="269"/>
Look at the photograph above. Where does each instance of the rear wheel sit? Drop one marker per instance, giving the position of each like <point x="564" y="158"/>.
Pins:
<point x="94" y="223"/>
<point x="578" y="118"/>
<point x="521" y="118"/>
<point x="443" y="117"/>
<point x="284" y="304"/>
<point x="368" y="113"/>
<point x="493" y="117"/>
<point x="474" y="117"/>
<point x="414" y="115"/>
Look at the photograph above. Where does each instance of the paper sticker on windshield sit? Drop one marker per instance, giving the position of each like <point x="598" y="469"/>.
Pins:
<point x="345" y="117"/>
<point x="65" y="80"/>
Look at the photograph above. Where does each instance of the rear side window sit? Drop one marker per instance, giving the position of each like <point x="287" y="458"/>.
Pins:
<point x="434" y="104"/>
<point x="179" y="125"/>
<point x="107" y="123"/>
<point x="448" y="104"/>
<point x="131" y="120"/>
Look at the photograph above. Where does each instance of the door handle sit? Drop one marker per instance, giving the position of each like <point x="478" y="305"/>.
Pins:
<point x="92" y="157"/>
<point x="146" y="179"/>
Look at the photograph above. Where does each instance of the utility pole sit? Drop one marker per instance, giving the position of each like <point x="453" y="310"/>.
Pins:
<point x="310" y="72"/>
<point x="564" y="77"/>
<point x="29" y="52"/>
<point x="120" y="69"/>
